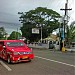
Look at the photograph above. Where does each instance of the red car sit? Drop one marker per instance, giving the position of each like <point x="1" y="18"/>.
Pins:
<point x="15" y="51"/>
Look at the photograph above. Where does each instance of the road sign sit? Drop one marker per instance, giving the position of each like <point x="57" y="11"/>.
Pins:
<point x="35" y="30"/>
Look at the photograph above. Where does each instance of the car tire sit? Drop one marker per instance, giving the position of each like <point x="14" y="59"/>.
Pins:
<point x="8" y="60"/>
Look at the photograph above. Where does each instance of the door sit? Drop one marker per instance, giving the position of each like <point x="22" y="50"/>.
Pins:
<point x="2" y="50"/>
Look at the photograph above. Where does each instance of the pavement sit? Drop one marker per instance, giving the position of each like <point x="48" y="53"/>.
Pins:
<point x="38" y="45"/>
<point x="46" y="46"/>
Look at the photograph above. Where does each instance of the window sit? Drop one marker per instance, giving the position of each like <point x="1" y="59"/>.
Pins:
<point x="10" y="44"/>
<point x="1" y="43"/>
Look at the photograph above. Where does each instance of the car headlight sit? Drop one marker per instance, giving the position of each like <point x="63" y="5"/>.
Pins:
<point x="28" y="52"/>
<point x="16" y="53"/>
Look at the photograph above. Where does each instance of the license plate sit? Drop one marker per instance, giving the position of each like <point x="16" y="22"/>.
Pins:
<point x="25" y="57"/>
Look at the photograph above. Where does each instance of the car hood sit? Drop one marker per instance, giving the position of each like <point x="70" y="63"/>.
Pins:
<point x="19" y="49"/>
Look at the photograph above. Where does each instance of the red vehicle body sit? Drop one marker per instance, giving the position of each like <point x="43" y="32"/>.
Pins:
<point x="15" y="51"/>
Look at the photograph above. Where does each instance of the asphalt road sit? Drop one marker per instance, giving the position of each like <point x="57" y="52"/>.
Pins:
<point x="46" y="62"/>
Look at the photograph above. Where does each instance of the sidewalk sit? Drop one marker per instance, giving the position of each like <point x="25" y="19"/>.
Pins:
<point x="46" y="46"/>
<point x="71" y="49"/>
<point x="38" y="45"/>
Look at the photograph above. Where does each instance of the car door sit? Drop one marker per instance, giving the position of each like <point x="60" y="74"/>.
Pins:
<point x="2" y="50"/>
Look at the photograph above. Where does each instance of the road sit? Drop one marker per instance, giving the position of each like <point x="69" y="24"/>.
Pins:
<point x="46" y="62"/>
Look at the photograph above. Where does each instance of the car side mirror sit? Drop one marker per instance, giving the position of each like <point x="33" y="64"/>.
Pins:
<point x="4" y="47"/>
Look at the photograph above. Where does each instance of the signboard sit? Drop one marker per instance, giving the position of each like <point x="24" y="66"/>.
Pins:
<point x="35" y="30"/>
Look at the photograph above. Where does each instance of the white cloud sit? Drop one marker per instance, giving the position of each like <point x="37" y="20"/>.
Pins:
<point x="14" y="6"/>
<point x="10" y="8"/>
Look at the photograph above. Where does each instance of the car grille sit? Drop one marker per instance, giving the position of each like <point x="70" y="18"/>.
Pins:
<point x="22" y="53"/>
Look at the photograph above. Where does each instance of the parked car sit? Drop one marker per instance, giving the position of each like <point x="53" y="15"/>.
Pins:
<point x="15" y="51"/>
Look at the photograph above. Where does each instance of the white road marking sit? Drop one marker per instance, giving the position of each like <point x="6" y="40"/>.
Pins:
<point x="9" y="69"/>
<point x="55" y="61"/>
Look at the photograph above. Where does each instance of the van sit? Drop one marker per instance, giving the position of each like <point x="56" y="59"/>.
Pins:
<point x="15" y="51"/>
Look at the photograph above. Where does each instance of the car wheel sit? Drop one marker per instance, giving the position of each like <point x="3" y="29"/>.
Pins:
<point x="8" y="60"/>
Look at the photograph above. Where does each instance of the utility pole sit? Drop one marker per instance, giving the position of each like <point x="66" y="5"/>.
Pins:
<point x="64" y="24"/>
<point x="41" y="34"/>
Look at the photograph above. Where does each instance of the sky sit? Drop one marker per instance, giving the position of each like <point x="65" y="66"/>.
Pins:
<point x="9" y="17"/>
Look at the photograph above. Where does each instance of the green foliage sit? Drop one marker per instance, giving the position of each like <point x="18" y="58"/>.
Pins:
<point x="2" y="33"/>
<point x="14" y="35"/>
<point x="47" y="18"/>
<point x="70" y="33"/>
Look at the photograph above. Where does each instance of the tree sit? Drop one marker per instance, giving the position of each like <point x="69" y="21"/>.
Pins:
<point x="2" y="32"/>
<point x="47" y="18"/>
<point x="14" y="35"/>
<point x="70" y="33"/>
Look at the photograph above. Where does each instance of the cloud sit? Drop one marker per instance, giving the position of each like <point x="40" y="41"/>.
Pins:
<point x="9" y="8"/>
<point x="14" y="6"/>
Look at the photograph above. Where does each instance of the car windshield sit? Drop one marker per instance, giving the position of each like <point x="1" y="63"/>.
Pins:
<point x="10" y="44"/>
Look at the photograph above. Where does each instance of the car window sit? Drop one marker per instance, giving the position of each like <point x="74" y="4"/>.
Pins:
<point x="10" y="44"/>
<point x="2" y="43"/>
